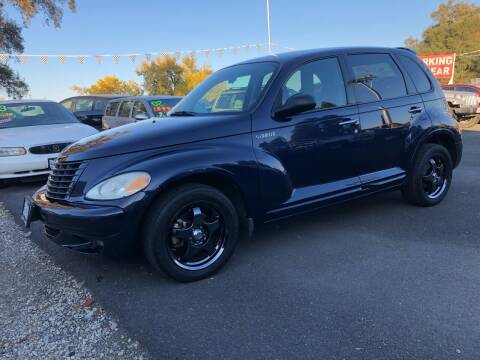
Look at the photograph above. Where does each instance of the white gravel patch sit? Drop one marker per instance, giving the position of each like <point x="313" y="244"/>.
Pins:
<point x="45" y="313"/>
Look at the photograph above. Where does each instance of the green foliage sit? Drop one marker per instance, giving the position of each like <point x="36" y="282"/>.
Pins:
<point x="110" y="85"/>
<point x="168" y="75"/>
<point x="456" y="28"/>
<point x="11" y="40"/>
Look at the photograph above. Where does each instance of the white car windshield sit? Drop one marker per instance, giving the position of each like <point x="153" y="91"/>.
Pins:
<point x="231" y="90"/>
<point x="32" y="114"/>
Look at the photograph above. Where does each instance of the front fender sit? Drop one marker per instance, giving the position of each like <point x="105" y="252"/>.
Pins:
<point x="230" y="158"/>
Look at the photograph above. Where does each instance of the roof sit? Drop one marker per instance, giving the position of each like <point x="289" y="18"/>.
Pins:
<point x="307" y="54"/>
<point x="104" y="96"/>
<point x="25" y="101"/>
<point x="460" y="84"/>
<point x="150" y="97"/>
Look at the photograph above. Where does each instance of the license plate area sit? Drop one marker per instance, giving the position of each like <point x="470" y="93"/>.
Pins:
<point x="26" y="212"/>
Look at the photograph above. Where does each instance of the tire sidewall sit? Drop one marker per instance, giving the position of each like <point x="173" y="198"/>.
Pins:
<point x="429" y="152"/>
<point x="158" y="233"/>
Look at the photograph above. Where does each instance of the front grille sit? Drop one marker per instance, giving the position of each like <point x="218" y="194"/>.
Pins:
<point x="48" y="149"/>
<point x="62" y="179"/>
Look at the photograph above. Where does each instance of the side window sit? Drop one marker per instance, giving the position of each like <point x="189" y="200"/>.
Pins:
<point x="448" y="88"/>
<point x="125" y="109"/>
<point x="84" y="104"/>
<point x="139" y="108"/>
<point x="468" y="89"/>
<point x="418" y="76"/>
<point x="100" y="105"/>
<point x="376" y="77"/>
<point x="322" y="79"/>
<point x="67" y="104"/>
<point x="112" y="107"/>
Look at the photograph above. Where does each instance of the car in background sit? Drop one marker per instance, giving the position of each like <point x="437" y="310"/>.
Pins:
<point x="32" y="134"/>
<point x="136" y="108"/>
<point x="464" y="103"/>
<point x="89" y="109"/>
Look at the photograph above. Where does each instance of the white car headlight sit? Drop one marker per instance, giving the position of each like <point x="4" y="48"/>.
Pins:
<point x="12" y="151"/>
<point x="119" y="186"/>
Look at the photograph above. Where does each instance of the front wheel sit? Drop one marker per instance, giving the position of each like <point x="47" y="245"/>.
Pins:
<point x="191" y="232"/>
<point x="430" y="177"/>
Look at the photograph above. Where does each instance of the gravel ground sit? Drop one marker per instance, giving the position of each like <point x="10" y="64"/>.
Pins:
<point x="45" y="313"/>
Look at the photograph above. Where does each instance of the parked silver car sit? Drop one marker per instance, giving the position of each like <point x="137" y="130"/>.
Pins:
<point x="136" y="108"/>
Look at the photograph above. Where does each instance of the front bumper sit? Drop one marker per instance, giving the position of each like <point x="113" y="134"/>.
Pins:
<point x="24" y="165"/>
<point x="86" y="228"/>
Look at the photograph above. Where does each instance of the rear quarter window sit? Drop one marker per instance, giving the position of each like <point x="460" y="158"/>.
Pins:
<point x="420" y="79"/>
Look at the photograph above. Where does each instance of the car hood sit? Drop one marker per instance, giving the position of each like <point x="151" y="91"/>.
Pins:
<point x="156" y="133"/>
<point x="28" y="136"/>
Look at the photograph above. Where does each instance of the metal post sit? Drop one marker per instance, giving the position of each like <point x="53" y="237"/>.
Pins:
<point x="268" y="28"/>
<point x="453" y="69"/>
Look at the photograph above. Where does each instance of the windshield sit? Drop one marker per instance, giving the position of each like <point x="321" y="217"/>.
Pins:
<point x="234" y="89"/>
<point x="34" y="113"/>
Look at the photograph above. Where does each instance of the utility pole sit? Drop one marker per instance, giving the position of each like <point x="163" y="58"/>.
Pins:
<point x="268" y="28"/>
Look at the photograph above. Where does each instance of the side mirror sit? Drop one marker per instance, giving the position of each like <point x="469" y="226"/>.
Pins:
<point x="296" y="104"/>
<point x="141" y="116"/>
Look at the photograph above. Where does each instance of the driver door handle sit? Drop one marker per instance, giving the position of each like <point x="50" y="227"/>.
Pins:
<point x="349" y="122"/>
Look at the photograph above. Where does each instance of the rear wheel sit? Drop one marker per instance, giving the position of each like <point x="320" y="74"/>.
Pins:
<point x="191" y="232"/>
<point x="430" y="176"/>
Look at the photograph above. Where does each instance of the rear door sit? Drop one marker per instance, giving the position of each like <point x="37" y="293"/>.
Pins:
<point x="388" y="109"/>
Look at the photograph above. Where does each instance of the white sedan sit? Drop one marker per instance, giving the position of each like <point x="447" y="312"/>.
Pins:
<point x="33" y="133"/>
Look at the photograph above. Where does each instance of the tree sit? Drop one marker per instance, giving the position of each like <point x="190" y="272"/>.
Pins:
<point x="456" y="28"/>
<point x="110" y="85"/>
<point x="167" y="75"/>
<point x="11" y="40"/>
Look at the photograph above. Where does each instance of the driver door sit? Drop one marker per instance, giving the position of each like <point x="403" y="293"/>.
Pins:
<point x="314" y="152"/>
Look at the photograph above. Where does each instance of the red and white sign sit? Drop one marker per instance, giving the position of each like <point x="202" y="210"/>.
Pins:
<point x="441" y="65"/>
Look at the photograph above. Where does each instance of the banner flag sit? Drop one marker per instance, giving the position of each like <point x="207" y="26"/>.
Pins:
<point x="4" y="58"/>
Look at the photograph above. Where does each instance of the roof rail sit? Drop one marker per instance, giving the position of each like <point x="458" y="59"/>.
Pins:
<point x="408" y="49"/>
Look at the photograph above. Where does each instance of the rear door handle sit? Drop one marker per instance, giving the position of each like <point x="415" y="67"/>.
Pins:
<point x="415" y="110"/>
<point x="349" y="122"/>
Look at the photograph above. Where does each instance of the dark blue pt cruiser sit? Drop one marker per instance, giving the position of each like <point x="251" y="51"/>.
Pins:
<point x="255" y="142"/>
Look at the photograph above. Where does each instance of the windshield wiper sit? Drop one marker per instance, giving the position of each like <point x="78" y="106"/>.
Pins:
<point x="183" y="113"/>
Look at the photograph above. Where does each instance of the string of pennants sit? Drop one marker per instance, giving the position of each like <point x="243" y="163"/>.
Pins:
<point x="133" y="57"/>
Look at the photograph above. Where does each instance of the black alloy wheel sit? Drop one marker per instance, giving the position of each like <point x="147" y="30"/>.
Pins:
<point x="429" y="177"/>
<point x="197" y="236"/>
<point x="191" y="232"/>
<point x="434" y="179"/>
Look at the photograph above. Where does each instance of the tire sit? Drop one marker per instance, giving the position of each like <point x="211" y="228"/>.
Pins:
<point x="191" y="232"/>
<point x="430" y="176"/>
<point x="469" y="122"/>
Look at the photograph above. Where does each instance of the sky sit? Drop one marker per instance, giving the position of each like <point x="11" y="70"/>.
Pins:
<point x="144" y="26"/>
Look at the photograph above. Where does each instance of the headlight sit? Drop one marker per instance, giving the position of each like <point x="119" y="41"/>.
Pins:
<point x="12" y="151"/>
<point x="119" y="186"/>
